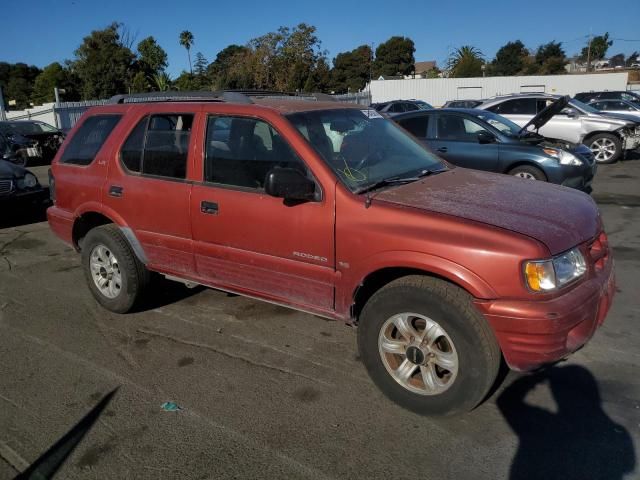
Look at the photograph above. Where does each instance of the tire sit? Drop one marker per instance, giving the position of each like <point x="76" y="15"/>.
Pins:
<point x="528" y="172"/>
<point x="467" y="338"/>
<point x="124" y="279"/>
<point x="606" y="147"/>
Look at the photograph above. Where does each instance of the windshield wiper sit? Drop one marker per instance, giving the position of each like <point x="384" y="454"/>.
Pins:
<point x="385" y="182"/>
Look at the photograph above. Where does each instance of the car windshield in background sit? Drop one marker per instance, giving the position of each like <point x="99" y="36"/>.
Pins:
<point x="423" y="105"/>
<point x="29" y="128"/>
<point x="505" y="125"/>
<point x="583" y="106"/>
<point x="362" y="147"/>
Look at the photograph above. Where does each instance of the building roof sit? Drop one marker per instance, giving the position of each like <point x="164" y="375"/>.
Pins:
<point x="420" y="67"/>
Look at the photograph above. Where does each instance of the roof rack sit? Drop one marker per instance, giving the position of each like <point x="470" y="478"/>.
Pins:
<point x="231" y="96"/>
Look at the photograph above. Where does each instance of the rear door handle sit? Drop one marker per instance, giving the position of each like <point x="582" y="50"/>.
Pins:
<point x="116" y="190"/>
<point x="442" y="149"/>
<point x="210" y="208"/>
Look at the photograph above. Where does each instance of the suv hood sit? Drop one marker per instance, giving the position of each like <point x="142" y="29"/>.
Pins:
<point x="559" y="217"/>
<point x="546" y="113"/>
<point x="9" y="170"/>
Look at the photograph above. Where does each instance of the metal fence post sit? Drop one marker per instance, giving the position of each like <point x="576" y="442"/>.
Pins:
<point x="3" y="115"/>
<point x="56" y="117"/>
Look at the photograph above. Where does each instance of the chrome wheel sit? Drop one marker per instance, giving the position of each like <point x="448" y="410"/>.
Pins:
<point x="105" y="271"/>
<point x="526" y="175"/>
<point x="603" y="149"/>
<point x="418" y="353"/>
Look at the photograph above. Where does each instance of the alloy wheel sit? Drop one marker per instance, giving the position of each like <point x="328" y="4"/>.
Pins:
<point x="603" y="149"/>
<point x="105" y="271"/>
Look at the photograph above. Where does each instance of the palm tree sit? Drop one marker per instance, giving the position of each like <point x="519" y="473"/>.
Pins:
<point x="162" y="81"/>
<point x="186" y="40"/>
<point x="465" y="61"/>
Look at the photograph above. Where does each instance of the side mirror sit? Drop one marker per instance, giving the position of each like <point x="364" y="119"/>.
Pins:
<point x="290" y="184"/>
<point x="569" y="112"/>
<point x="486" y="137"/>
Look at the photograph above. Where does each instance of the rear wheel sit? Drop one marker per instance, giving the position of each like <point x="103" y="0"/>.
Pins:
<point x="528" y="172"/>
<point x="606" y="147"/>
<point x="426" y="347"/>
<point x="115" y="276"/>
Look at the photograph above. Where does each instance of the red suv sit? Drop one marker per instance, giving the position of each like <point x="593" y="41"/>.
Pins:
<point x="332" y="209"/>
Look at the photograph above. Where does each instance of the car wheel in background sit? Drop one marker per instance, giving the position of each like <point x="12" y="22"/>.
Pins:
<point x="426" y="347"/>
<point x="115" y="276"/>
<point x="528" y="172"/>
<point x="606" y="147"/>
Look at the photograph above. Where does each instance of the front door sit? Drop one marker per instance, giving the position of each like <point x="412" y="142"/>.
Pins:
<point x="456" y="140"/>
<point x="249" y="241"/>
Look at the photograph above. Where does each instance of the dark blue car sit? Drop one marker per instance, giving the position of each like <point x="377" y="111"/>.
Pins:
<point x="483" y="140"/>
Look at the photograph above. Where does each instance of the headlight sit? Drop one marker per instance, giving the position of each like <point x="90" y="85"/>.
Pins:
<point x="563" y="157"/>
<point x="28" y="181"/>
<point x="548" y="275"/>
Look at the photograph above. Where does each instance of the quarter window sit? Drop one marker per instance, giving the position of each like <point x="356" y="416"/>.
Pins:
<point x="88" y="139"/>
<point x="517" y="106"/>
<point x="240" y="152"/>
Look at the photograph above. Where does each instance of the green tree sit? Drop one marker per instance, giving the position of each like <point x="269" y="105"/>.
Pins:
<point x="465" y="62"/>
<point x="54" y="75"/>
<point x="201" y="79"/>
<point x="599" y="46"/>
<point x="186" y="40"/>
<point x="17" y="82"/>
<point x="151" y="57"/>
<point x="297" y="57"/>
<point x="351" y="70"/>
<point x="395" y="56"/>
<point x="550" y="58"/>
<point x="633" y="58"/>
<point x="161" y="81"/>
<point x="103" y="64"/>
<point x="228" y="70"/>
<point x="617" y="60"/>
<point x="510" y="59"/>
<point x="185" y="82"/>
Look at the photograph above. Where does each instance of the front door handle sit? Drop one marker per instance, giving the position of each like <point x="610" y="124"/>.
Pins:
<point x="116" y="191"/>
<point x="210" y="208"/>
<point x="442" y="149"/>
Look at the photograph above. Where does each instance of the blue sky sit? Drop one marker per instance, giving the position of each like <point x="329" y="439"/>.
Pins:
<point x="42" y="31"/>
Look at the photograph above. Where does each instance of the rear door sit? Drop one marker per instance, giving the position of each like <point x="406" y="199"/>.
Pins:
<point x="149" y="186"/>
<point x="456" y="140"/>
<point x="248" y="241"/>
<point x="562" y="126"/>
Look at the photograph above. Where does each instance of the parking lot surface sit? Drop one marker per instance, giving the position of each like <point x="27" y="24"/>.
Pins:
<point x="267" y="392"/>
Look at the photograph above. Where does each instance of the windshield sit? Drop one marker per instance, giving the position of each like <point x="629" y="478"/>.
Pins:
<point x="505" y="125"/>
<point x="362" y="147"/>
<point x="30" y="128"/>
<point x="583" y="107"/>
<point x="423" y="105"/>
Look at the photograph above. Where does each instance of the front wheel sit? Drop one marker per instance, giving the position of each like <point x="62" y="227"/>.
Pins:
<point x="606" y="147"/>
<point x="426" y="347"/>
<point x="528" y="172"/>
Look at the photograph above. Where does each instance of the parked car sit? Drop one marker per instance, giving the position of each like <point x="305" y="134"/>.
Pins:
<point x="16" y="148"/>
<point x="396" y="107"/>
<point x="19" y="187"/>
<point x="628" y="95"/>
<point x="445" y="270"/>
<point x="486" y="141"/>
<point x="617" y="106"/>
<point x="46" y="139"/>
<point x="462" y="103"/>
<point x="606" y="136"/>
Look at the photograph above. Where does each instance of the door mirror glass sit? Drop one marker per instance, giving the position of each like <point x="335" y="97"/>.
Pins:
<point x="486" y="137"/>
<point x="290" y="184"/>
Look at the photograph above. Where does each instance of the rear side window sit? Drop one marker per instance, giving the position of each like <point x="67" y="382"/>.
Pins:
<point x="416" y="126"/>
<point x="159" y="146"/>
<point x="87" y="141"/>
<point x="517" y="106"/>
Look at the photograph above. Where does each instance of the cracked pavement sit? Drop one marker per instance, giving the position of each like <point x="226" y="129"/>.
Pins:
<point x="268" y="392"/>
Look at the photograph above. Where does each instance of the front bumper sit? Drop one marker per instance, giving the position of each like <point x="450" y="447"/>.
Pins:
<point x="535" y="333"/>
<point x="33" y="196"/>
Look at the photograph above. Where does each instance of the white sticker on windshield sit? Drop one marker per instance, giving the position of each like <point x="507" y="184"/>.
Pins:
<point x="371" y="113"/>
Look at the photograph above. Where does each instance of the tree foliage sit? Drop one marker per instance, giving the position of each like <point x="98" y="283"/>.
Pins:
<point x="550" y="58"/>
<point x="186" y="40"/>
<point x="465" y="62"/>
<point x="599" y="46"/>
<point x="394" y="57"/>
<point x="351" y="70"/>
<point x="54" y="75"/>
<point x="151" y="57"/>
<point x="103" y="64"/>
<point x="229" y="69"/>
<point x="17" y="82"/>
<point x="510" y="59"/>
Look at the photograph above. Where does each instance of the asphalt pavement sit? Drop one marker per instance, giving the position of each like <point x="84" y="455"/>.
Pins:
<point x="261" y="391"/>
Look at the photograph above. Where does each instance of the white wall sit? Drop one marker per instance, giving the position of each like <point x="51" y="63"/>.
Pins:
<point x="437" y="91"/>
<point x="44" y="113"/>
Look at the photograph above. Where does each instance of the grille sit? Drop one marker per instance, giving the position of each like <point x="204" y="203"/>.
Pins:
<point x="599" y="251"/>
<point x="6" y="187"/>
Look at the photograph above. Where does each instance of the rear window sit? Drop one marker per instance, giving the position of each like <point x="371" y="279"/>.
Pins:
<point x="88" y="139"/>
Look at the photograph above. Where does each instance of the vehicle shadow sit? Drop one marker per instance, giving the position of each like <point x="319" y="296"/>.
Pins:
<point x="163" y="292"/>
<point x="578" y="441"/>
<point x="20" y="215"/>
